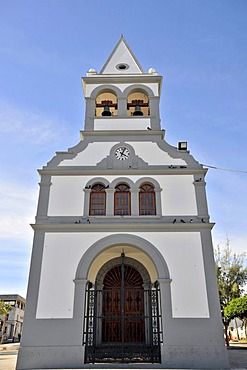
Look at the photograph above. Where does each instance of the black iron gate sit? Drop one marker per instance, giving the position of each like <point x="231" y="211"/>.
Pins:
<point x="122" y="324"/>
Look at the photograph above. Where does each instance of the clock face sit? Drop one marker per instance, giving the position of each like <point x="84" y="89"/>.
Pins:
<point x="122" y="153"/>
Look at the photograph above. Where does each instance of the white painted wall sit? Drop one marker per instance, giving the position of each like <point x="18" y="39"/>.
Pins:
<point x="91" y="155"/>
<point x="153" y="155"/>
<point x="177" y="195"/>
<point x="63" y="251"/>
<point x="183" y="254"/>
<point x="121" y="124"/>
<point x="66" y="196"/>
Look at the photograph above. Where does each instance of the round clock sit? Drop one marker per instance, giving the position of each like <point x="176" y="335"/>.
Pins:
<point x="122" y="153"/>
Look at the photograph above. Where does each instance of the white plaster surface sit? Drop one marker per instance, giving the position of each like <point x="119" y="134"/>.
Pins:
<point x="121" y="124"/>
<point x="91" y="155"/>
<point x="178" y="195"/>
<point x="153" y="155"/>
<point x="182" y="253"/>
<point x="62" y="253"/>
<point x="66" y="196"/>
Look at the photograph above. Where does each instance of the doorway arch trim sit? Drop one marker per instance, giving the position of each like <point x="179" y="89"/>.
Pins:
<point x="122" y="239"/>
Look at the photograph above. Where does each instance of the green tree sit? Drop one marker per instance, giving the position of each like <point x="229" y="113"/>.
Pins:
<point x="231" y="276"/>
<point x="4" y="311"/>
<point x="237" y="307"/>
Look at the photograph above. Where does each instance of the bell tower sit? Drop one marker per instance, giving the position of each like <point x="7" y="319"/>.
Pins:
<point x="122" y="267"/>
<point x="120" y="92"/>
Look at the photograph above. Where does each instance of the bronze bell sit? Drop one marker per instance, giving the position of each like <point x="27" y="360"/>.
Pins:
<point x="138" y="111"/>
<point x="106" y="111"/>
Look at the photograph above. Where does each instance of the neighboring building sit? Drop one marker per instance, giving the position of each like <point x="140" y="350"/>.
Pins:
<point x="15" y="317"/>
<point x="236" y="330"/>
<point x="122" y="266"/>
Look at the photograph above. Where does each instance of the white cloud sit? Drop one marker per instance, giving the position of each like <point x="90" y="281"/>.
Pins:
<point x="17" y="211"/>
<point x="237" y="242"/>
<point x="28" y="126"/>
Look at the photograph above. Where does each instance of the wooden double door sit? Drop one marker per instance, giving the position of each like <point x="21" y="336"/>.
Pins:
<point x="123" y="311"/>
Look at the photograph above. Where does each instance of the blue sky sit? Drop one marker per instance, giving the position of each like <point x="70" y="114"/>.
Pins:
<point x="200" y="48"/>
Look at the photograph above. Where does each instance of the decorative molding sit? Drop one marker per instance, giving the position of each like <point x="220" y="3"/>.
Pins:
<point x="127" y="227"/>
<point x="92" y="170"/>
<point x="123" y="239"/>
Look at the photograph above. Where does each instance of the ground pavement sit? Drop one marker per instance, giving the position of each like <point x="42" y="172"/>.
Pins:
<point x="237" y="354"/>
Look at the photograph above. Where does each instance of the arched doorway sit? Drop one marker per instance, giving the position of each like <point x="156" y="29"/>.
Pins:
<point x="122" y="321"/>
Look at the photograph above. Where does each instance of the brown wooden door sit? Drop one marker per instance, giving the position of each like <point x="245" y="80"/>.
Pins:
<point x="123" y="306"/>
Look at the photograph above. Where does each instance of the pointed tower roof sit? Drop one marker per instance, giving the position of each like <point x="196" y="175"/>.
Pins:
<point x="122" y="60"/>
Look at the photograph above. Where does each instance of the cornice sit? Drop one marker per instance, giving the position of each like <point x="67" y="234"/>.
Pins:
<point x="96" y="227"/>
<point x="118" y="79"/>
<point x="91" y="171"/>
<point x="146" y="133"/>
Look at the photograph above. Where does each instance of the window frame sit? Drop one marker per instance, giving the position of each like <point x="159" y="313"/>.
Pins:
<point x="102" y="192"/>
<point x="118" y="192"/>
<point x="143" y="209"/>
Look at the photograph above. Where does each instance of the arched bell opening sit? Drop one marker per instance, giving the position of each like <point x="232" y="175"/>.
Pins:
<point x="138" y="104"/>
<point x="106" y="104"/>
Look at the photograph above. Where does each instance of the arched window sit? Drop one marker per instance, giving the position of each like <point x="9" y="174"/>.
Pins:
<point x="147" y="200"/>
<point x="97" y="200"/>
<point x="122" y="200"/>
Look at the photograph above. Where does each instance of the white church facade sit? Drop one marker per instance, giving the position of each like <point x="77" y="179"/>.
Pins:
<point x="122" y="267"/>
